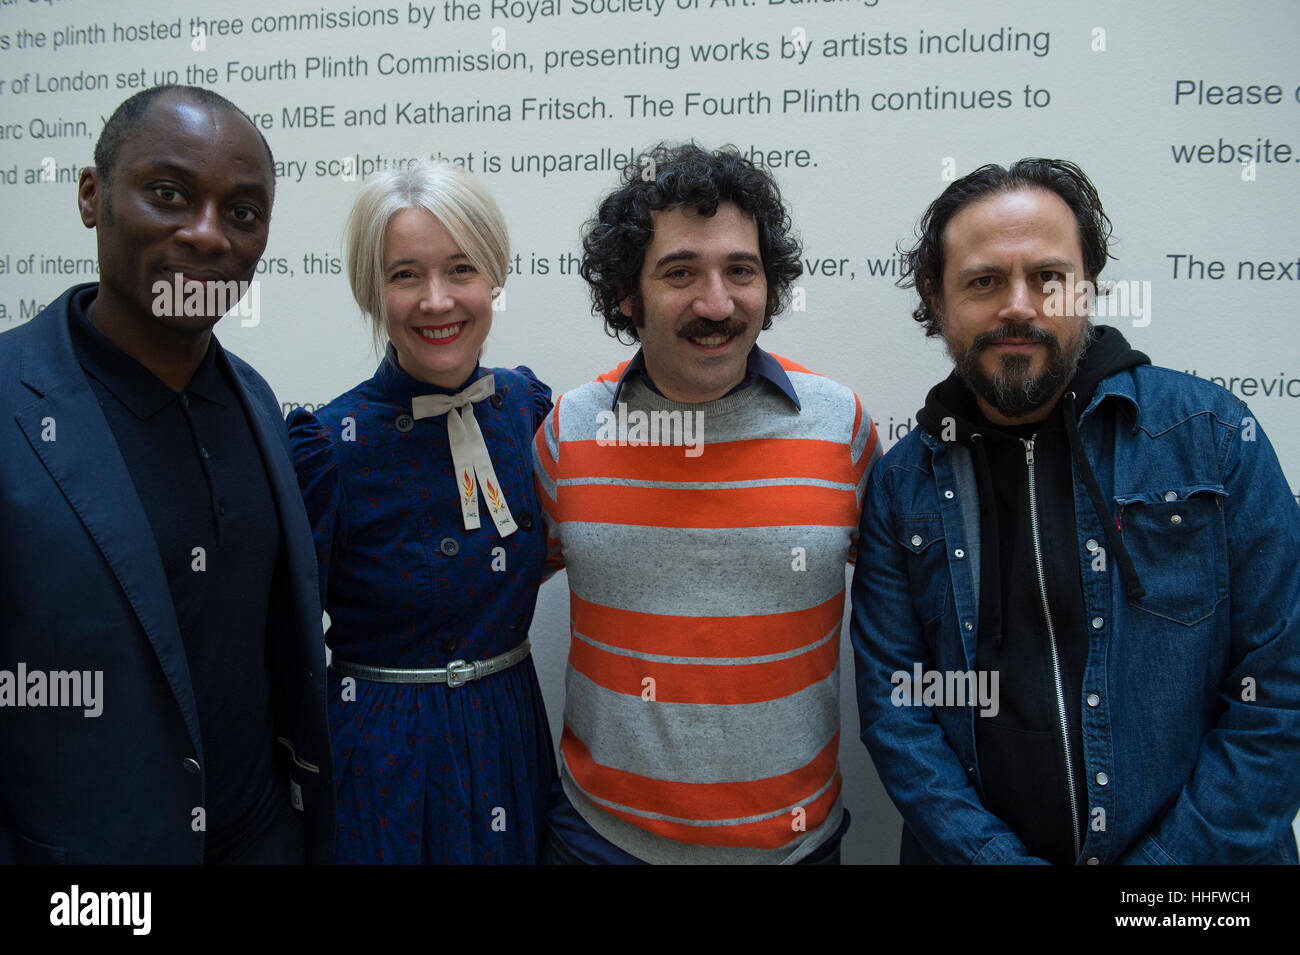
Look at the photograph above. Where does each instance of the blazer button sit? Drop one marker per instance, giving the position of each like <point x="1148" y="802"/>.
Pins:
<point x="496" y="401"/>
<point x="449" y="644"/>
<point x="191" y="764"/>
<point x="449" y="547"/>
<point x="404" y="422"/>
<point x="526" y="521"/>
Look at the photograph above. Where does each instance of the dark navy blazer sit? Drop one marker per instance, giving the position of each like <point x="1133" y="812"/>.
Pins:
<point x="82" y="587"/>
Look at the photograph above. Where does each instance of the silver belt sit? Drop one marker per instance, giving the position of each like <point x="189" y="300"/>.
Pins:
<point x="456" y="673"/>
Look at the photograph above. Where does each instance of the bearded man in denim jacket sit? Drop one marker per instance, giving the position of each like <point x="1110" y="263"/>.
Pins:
<point x="1076" y="614"/>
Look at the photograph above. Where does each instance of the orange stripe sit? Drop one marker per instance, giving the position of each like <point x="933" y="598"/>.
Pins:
<point x="865" y="460"/>
<point x="743" y="636"/>
<point x="751" y="460"/>
<point x="699" y="801"/>
<point x="701" y="682"/>
<point x="788" y="365"/>
<point x="768" y="834"/>
<point x="774" y="506"/>
<point x="544" y="452"/>
<point x="614" y="374"/>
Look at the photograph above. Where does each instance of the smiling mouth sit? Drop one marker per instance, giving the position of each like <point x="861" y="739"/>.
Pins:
<point x="442" y="334"/>
<point x="195" y="276"/>
<point x="711" y="341"/>
<point x="712" y="337"/>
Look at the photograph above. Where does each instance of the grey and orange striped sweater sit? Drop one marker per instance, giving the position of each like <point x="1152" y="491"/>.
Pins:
<point x="706" y="560"/>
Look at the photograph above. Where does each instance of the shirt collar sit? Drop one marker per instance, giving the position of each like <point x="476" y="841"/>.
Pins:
<point x="759" y="364"/>
<point x="139" y="389"/>
<point x="401" y="387"/>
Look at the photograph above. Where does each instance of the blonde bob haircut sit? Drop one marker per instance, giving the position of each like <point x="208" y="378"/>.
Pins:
<point x="455" y="198"/>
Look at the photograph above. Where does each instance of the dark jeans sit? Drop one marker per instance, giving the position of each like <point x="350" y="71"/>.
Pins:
<point x="555" y="852"/>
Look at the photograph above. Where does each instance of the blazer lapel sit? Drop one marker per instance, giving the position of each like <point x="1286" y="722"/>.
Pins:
<point x="268" y="433"/>
<point x="70" y="435"/>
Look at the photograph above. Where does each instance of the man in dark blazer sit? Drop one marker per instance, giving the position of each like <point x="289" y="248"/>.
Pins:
<point x="161" y="652"/>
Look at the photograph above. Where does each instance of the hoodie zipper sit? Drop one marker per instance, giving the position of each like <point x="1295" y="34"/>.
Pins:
<point x="1051" y="642"/>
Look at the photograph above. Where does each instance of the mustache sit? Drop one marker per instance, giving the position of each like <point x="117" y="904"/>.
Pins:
<point x="1026" y="333"/>
<point x="703" y="328"/>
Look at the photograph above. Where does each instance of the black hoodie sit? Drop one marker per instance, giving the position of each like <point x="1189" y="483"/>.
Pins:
<point x="1033" y="630"/>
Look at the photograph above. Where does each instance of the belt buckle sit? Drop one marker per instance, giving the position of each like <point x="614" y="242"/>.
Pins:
<point x="459" y="673"/>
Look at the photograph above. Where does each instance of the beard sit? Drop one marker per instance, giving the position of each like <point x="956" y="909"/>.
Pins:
<point x="1011" y="389"/>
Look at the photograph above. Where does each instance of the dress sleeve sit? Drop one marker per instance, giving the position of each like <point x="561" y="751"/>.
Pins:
<point x="540" y="394"/>
<point x="316" y="464"/>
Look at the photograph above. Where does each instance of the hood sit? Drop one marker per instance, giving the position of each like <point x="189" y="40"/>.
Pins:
<point x="951" y="413"/>
<point x="1108" y="354"/>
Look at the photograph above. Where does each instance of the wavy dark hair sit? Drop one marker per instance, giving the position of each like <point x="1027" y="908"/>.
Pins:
<point x="615" y="241"/>
<point x="924" y="261"/>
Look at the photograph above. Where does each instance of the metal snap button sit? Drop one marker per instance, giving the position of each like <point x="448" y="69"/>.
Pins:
<point x="1171" y="495"/>
<point x="191" y="764"/>
<point x="404" y="422"/>
<point x="959" y="553"/>
<point x="1093" y="699"/>
<point x="1102" y="779"/>
<point x="948" y="495"/>
<point x="1175" y="520"/>
<point x="1091" y="544"/>
<point x="449" y="546"/>
<point x="916" y="540"/>
<point x="1098" y="623"/>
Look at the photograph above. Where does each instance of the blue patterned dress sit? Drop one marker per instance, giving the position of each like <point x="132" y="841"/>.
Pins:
<point x="426" y="773"/>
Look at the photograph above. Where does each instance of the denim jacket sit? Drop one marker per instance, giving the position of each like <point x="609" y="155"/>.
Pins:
<point x="1191" y="693"/>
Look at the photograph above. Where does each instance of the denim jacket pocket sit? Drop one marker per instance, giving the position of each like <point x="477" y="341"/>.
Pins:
<point x="1178" y="543"/>
<point x="922" y="536"/>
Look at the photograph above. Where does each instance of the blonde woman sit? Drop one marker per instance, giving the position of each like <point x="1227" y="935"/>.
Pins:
<point x="430" y="543"/>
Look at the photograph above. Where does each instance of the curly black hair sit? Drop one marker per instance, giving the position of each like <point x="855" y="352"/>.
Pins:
<point x="924" y="261"/>
<point x="668" y="177"/>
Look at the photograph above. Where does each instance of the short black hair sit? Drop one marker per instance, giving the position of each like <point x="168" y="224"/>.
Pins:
<point x="669" y="177"/>
<point x="924" y="261"/>
<point x="130" y="116"/>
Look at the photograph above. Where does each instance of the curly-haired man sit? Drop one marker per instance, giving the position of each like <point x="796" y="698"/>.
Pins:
<point x="704" y="498"/>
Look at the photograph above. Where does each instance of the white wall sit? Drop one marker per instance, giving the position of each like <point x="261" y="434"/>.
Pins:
<point x="1107" y="80"/>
